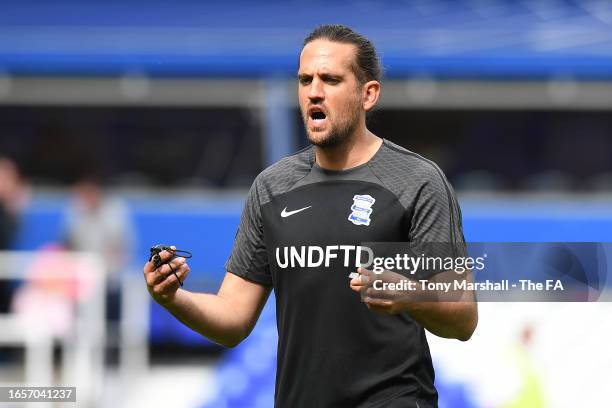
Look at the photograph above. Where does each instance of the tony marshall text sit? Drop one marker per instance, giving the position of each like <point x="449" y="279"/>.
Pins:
<point x="487" y="285"/>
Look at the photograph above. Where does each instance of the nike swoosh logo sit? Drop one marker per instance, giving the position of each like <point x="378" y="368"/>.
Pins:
<point x="286" y="213"/>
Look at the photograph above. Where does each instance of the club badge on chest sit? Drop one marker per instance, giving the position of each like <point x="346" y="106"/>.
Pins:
<point x="361" y="209"/>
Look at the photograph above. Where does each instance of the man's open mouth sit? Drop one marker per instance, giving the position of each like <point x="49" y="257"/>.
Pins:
<point x="317" y="115"/>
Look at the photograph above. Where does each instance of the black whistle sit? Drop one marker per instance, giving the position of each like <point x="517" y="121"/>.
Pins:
<point x="157" y="249"/>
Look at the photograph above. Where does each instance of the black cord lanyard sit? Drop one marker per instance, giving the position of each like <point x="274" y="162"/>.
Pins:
<point x="157" y="249"/>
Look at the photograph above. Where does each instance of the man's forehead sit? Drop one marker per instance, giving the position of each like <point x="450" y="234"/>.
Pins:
<point x="327" y="54"/>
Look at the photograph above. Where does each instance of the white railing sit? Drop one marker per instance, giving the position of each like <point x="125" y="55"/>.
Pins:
<point x="78" y="281"/>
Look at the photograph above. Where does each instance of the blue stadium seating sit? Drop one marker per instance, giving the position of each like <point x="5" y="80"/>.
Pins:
<point x="443" y="38"/>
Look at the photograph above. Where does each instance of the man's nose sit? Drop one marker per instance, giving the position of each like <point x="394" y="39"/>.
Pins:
<point x="316" y="91"/>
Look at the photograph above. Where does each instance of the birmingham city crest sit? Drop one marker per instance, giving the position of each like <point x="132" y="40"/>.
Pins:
<point x="361" y="209"/>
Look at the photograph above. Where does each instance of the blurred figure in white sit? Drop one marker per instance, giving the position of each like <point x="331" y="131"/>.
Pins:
<point x="99" y="223"/>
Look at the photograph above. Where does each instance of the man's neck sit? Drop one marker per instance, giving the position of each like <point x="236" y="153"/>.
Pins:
<point x="357" y="150"/>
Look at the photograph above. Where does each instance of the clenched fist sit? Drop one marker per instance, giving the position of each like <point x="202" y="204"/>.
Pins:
<point x="165" y="280"/>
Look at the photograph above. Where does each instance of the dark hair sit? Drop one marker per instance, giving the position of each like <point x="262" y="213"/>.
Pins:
<point x="366" y="65"/>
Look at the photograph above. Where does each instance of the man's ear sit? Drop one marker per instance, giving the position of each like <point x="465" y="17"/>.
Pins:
<point x="370" y="94"/>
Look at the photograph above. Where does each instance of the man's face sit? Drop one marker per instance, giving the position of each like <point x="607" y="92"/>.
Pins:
<point x="329" y="92"/>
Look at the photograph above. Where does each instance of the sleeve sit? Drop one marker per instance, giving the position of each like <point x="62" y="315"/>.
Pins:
<point x="249" y="257"/>
<point x="436" y="217"/>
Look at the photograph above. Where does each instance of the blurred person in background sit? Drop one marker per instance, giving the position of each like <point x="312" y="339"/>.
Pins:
<point x="101" y="224"/>
<point x="530" y="393"/>
<point x="14" y="195"/>
<point x="55" y="286"/>
<point x="332" y="351"/>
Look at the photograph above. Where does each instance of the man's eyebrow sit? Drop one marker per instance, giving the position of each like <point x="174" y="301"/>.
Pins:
<point x="323" y="75"/>
<point x="326" y="76"/>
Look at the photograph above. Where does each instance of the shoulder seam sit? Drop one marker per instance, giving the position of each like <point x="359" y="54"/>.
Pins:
<point x="293" y="185"/>
<point x="442" y="178"/>
<point x="271" y="196"/>
<point x="387" y="187"/>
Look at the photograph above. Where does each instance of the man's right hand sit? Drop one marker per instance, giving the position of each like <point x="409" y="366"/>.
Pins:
<point x="161" y="282"/>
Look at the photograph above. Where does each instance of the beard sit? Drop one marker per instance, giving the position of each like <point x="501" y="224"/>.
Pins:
<point x="338" y="133"/>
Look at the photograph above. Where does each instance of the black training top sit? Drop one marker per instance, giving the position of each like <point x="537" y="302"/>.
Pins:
<point x="298" y="233"/>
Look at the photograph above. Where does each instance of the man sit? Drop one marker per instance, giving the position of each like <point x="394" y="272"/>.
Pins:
<point x="303" y="218"/>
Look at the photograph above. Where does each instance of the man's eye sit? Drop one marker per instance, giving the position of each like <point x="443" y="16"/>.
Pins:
<point x="333" y="81"/>
<point x="305" y="81"/>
